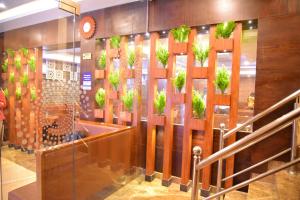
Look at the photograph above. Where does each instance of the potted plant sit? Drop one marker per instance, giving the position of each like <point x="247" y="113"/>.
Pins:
<point x="198" y="106"/>
<point x="6" y="93"/>
<point x="131" y="62"/>
<point x="25" y="52"/>
<point x="181" y="35"/>
<point x="33" y="95"/>
<point x="160" y="104"/>
<point x="115" y="42"/>
<point x="100" y="100"/>
<point x="10" y="52"/>
<point x="101" y="64"/>
<point x="114" y="80"/>
<point x="222" y="79"/>
<point x="24" y="80"/>
<point x="18" y="93"/>
<point x="32" y="66"/>
<point x="200" y="53"/>
<point x="127" y="100"/>
<point x="4" y="69"/>
<point x="18" y="63"/>
<point x="162" y="55"/>
<point x="11" y="77"/>
<point x="179" y="82"/>
<point x="223" y="33"/>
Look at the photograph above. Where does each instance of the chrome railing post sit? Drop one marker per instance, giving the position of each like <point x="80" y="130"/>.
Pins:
<point x="195" y="184"/>
<point x="294" y="138"/>
<point x="220" y="162"/>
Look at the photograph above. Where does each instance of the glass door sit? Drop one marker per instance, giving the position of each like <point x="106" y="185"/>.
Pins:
<point x="40" y="96"/>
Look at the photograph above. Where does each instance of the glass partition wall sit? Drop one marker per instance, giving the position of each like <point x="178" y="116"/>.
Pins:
<point x="41" y="86"/>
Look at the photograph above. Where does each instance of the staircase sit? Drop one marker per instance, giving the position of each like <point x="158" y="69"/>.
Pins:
<point x="277" y="182"/>
<point x="281" y="185"/>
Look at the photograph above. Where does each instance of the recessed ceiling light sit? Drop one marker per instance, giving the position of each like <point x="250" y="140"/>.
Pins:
<point x="164" y="32"/>
<point x="2" y="5"/>
<point x="131" y="36"/>
<point x="250" y="22"/>
<point x="203" y="27"/>
<point x="250" y="27"/>
<point x="147" y="34"/>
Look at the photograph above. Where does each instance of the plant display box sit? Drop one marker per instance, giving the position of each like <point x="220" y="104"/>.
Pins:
<point x="99" y="113"/>
<point x="99" y="74"/>
<point x="126" y="116"/>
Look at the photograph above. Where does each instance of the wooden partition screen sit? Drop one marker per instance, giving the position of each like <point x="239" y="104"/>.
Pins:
<point x="203" y="126"/>
<point x="126" y="73"/>
<point x="22" y="115"/>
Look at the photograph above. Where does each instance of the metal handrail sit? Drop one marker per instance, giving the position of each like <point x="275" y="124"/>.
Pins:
<point x="247" y="182"/>
<point x="237" y="146"/>
<point x="257" y="164"/>
<point x="287" y="99"/>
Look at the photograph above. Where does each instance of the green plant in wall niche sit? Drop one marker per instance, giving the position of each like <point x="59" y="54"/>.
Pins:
<point x="24" y="51"/>
<point x="201" y="53"/>
<point x="131" y="58"/>
<point x="24" y="79"/>
<point x="162" y="56"/>
<point x="225" y="29"/>
<point x="179" y="80"/>
<point x="127" y="100"/>
<point x="18" y="63"/>
<point x="160" y="102"/>
<point x="100" y="97"/>
<point x="32" y="64"/>
<point x="33" y="95"/>
<point x="115" y="41"/>
<point x="181" y="33"/>
<point x="222" y="79"/>
<point x="18" y="93"/>
<point x="10" y="52"/>
<point x="198" y="104"/>
<point x="5" y="91"/>
<point x="5" y="66"/>
<point x="102" y="60"/>
<point x="11" y="77"/>
<point x="114" y="79"/>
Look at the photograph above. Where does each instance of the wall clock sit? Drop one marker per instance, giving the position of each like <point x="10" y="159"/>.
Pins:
<point x="87" y="27"/>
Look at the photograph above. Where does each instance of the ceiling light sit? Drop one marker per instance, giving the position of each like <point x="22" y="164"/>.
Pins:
<point x="203" y="27"/>
<point x="2" y="5"/>
<point x="164" y="32"/>
<point x="250" y="22"/>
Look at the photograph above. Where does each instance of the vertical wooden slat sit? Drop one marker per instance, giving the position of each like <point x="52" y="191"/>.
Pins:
<point x="234" y="100"/>
<point x="169" y="112"/>
<point x="151" y="128"/>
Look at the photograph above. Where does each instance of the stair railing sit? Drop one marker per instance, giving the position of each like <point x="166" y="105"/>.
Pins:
<point x="253" y="138"/>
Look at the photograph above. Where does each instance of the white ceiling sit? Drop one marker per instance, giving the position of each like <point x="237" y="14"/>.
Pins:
<point x="38" y="14"/>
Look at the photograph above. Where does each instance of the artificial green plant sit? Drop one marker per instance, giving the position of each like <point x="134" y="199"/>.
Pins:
<point x="5" y="91"/>
<point x="10" y="52"/>
<point x="24" y="79"/>
<point x="11" y="77"/>
<point x="24" y="51"/>
<point x="179" y="80"/>
<point x="115" y="41"/>
<point x="201" y="53"/>
<point x="114" y="79"/>
<point x="100" y="97"/>
<point x="222" y="79"/>
<point x="18" y="93"/>
<point x="33" y="95"/>
<point x="225" y="29"/>
<point x="127" y="100"/>
<point x="32" y="64"/>
<point x="162" y="54"/>
<point x="160" y="102"/>
<point x="131" y="58"/>
<point x="102" y="60"/>
<point x="5" y="66"/>
<point x="198" y="104"/>
<point x="18" y="63"/>
<point x="181" y="33"/>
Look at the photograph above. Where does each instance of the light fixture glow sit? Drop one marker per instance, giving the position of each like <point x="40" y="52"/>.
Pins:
<point x="250" y="22"/>
<point x="2" y="5"/>
<point x="250" y="27"/>
<point x="147" y="34"/>
<point x="103" y="39"/>
<point x="203" y="27"/>
<point x="131" y="36"/>
<point x="164" y="32"/>
<point x="27" y="9"/>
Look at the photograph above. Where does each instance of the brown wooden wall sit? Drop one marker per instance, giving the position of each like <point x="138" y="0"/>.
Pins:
<point x="278" y="44"/>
